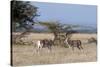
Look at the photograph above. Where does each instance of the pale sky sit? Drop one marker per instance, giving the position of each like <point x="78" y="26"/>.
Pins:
<point x="67" y="13"/>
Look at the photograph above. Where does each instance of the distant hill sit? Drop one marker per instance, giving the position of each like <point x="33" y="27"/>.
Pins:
<point x="86" y="29"/>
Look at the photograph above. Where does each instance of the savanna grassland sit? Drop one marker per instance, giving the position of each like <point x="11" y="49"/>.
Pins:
<point x="27" y="54"/>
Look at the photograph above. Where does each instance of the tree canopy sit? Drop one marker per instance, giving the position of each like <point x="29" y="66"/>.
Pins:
<point x="23" y="14"/>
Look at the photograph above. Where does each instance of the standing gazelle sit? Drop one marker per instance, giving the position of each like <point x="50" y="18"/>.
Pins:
<point x="74" y="43"/>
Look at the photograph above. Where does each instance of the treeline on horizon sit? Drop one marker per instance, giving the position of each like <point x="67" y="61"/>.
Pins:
<point x="64" y="31"/>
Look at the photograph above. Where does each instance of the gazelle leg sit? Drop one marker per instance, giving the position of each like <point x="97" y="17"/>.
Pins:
<point x="78" y="47"/>
<point x="81" y="46"/>
<point x="73" y="48"/>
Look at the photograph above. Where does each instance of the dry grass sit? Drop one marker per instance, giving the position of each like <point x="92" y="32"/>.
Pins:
<point x="27" y="54"/>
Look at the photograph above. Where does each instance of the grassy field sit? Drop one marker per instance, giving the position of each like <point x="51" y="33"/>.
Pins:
<point x="27" y="54"/>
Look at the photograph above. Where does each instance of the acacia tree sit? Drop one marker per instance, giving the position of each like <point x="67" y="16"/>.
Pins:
<point x="23" y="14"/>
<point x="54" y="27"/>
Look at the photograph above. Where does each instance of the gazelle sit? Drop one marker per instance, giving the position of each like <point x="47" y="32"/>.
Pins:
<point x="47" y="43"/>
<point x="92" y="40"/>
<point x="74" y="43"/>
<point x="44" y="43"/>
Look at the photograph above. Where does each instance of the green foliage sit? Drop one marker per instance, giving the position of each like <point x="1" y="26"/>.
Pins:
<point x="21" y="12"/>
<point x="66" y="46"/>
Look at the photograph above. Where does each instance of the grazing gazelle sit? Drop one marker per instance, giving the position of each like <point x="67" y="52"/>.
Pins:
<point x="44" y="43"/>
<point x="92" y="40"/>
<point x="47" y="43"/>
<point x="74" y="43"/>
